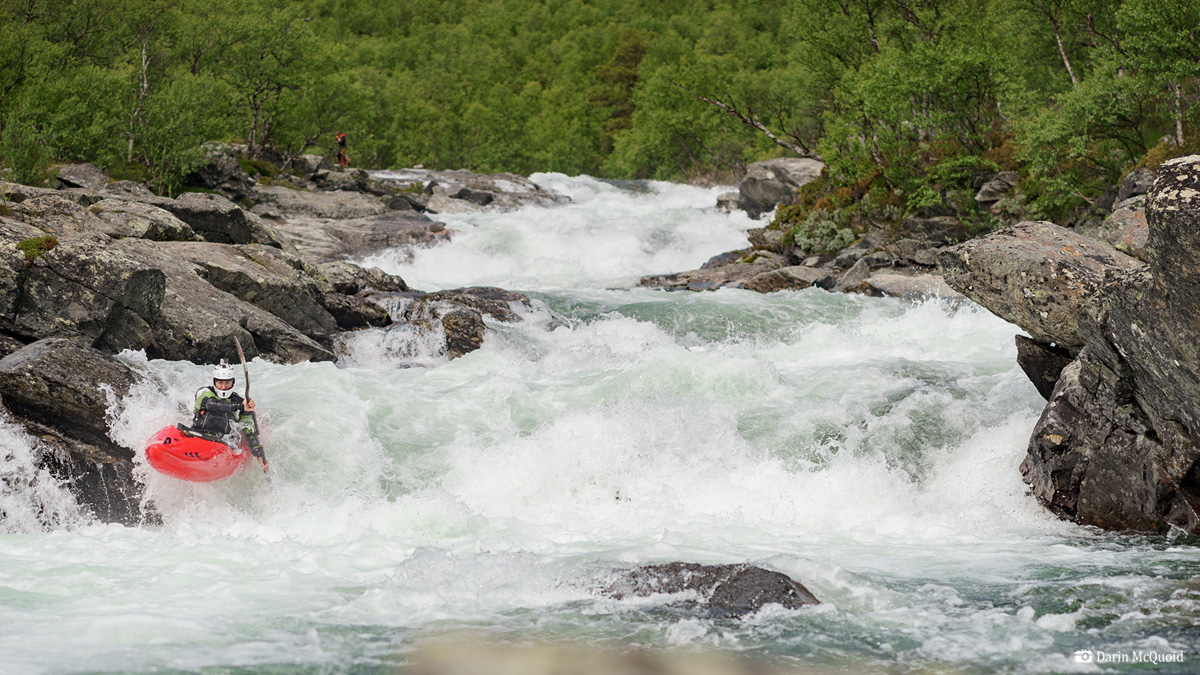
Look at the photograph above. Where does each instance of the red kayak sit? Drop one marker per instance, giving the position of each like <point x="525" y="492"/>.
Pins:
<point x="191" y="457"/>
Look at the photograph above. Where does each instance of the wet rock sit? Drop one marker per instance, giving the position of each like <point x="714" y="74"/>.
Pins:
<point x="60" y="391"/>
<point x="352" y="311"/>
<point x="337" y="205"/>
<point x="729" y="257"/>
<point x="910" y="286"/>
<point x="84" y="175"/>
<point x="1118" y="445"/>
<point x="464" y="192"/>
<point x="85" y="288"/>
<point x="773" y="182"/>
<point x="1036" y="275"/>
<point x="728" y="201"/>
<point x="795" y="278"/>
<point x="723" y="589"/>
<point x="494" y="302"/>
<point x="464" y="330"/>
<point x="125" y="218"/>
<point x="859" y="272"/>
<point x="734" y="274"/>
<point x="1042" y="362"/>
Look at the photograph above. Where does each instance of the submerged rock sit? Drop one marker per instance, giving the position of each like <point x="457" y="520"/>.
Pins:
<point x="466" y="192"/>
<point x="724" y="589"/>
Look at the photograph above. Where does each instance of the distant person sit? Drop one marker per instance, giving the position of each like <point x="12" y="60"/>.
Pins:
<point x="342" y="159"/>
<point x="221" y="413"/>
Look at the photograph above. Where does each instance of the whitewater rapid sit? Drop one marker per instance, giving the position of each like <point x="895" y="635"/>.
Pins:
<point x="867" y="447"/>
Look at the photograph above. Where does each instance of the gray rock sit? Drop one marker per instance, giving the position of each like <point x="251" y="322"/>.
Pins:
<point x="83" y="288"/>
<point x="84" y="175"/>
<point x="494" y="302"/>
<point x="310" y="164"/>
<point x="728" y="201"/>
<point x="265" y="277"/>
<point x="859" y="272"/>
<point x="60" y="391"/>
<point x="937" y="230"/>
<point x="128" y="189"/>
<point x="350" y="279"/>
<point x="340" y="180"/>
<point x="338" y="205"/>
<point x="1036" y="275"/>
<point x="1118" y="445"/>
<point x="1126" y="229"/>
<point x="773" y="182"/>
<point x="463" y="191"/>
<point x="764" y="239"/>
<point x="1135" y="184"/>
<point x="323" y="240"/>
<point x="794" y="278"/>
<point x="721" y="589"/>
<point x="911" y="286"/>
<point x="221" y="171"/>
<point x="135" y="219"/>
<point x="15" y="193"/>
<point x="219" y="220"/>
<point x="56" y="214"/>
<point x="464" y="329"/>
<point x="1042" y="363"/>
<point x="997" y="187"/>
<point x="733" y="274"/>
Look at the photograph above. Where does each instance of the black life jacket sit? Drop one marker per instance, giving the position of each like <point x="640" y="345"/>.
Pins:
<point x="218" y="415"/>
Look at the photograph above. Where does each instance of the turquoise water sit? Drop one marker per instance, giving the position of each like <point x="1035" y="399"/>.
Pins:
<point x="866" y="447"/>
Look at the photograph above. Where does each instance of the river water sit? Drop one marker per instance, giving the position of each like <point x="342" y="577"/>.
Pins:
<point x="867" y="447"/>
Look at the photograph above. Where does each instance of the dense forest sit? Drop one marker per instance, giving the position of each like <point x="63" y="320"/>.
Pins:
<point x="904" y="100"/>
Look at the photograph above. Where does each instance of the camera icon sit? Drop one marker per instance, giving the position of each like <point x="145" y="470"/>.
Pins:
<point x="1084" y="656"/>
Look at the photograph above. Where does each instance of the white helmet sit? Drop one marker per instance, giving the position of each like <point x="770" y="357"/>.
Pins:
<point x="223" y="371"/>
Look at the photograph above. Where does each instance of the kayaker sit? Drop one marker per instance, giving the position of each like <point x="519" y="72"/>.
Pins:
<point x="220" y="411"/>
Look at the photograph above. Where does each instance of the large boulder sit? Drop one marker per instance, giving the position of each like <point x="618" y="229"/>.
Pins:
<point x="82" y="287"/>
<point x="1126" y="228"/>
<point x="1119" y="443"/>
<point x="265" y="277"/>
<point x="775" y="181"/>
<point x="56" y="214"/>
<point x="126" y="218"/>
<point x="1034" y="274"/>
<point x="61" y="392"/>
<point x="222" y="171"/>
<point x="322" y="240"/>
<point x="131" y="294"/>
<point x="721" y="589"/>
<point x="337" y="205"/>
<point x="219" y="220"/>
<point x="84" y="175"/>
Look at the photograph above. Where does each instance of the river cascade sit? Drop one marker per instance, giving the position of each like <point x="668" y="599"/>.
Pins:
<point x="866" y="447"/>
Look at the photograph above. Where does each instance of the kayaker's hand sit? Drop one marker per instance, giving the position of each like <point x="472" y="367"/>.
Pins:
<point x="248" y="405"/>
<point x="263" y="461"/>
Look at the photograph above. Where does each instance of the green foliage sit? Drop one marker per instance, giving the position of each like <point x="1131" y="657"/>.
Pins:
<point x="36" y="247"/>
<point x="907" y="103"/>
<point x="819" y="234"/>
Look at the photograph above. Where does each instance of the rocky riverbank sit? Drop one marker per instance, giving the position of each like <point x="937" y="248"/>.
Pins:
<point x="96" y="267"/>
<point x="1113" y="348"/>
